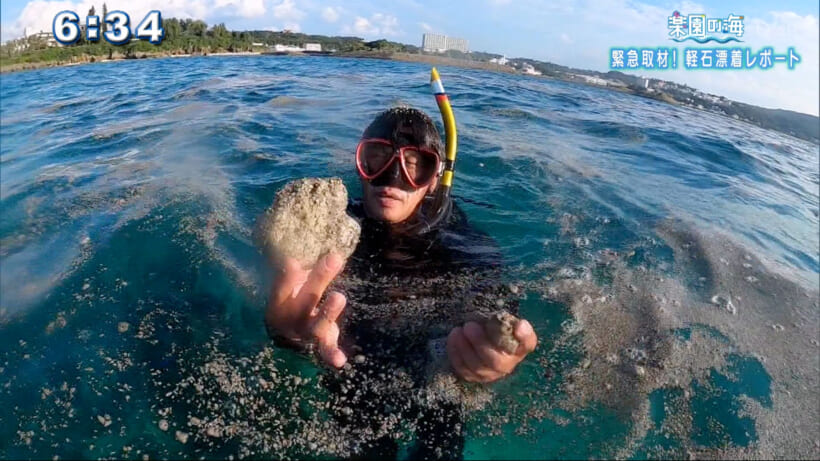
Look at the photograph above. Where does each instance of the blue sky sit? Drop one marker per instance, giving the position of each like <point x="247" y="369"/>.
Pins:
<point x="577" y="33"/>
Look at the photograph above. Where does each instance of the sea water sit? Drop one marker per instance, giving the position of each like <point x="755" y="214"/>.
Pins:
<point x="667" y="258"/>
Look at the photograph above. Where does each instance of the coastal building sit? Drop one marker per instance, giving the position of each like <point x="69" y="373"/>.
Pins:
<point x="439" y="43"/>
<point x="500" y="61"/>
<point x="46" y="38"/>
<point x="434" y="42"/>
<point x="592" y="80"/>
<point x="458" y="44"/>
<point x="529" y="70"/>
<point x="313" y="47"/>
<point x="287" y="48"/>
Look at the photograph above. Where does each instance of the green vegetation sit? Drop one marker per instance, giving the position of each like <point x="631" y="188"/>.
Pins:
<point x="189" y="36"/>
<point x="184" y="36"/>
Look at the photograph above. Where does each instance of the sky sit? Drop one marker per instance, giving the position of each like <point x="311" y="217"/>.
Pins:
<point x="576" y="33"/>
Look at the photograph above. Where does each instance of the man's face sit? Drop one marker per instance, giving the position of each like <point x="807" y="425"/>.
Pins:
<point x="390" y="197"/>
<point x="392" y="201"/>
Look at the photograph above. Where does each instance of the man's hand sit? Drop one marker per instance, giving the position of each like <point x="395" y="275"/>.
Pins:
<point x="475" y="359"/>
<point x="292" y="307"/>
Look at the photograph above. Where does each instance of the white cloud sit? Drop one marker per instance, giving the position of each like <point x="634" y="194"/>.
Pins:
<point x="382" y="25"/>
<point x="426" y="27"/>
<point x="38" y="15"/>
<point x="241" y="8"/>
<point x="364" y="27"/>
<point x="632" y="23"/>
<point x="566" y="39"/>
<point x="290" y="14"/>
<point x="389" y="24"/>
<point x="330" y="14"/>
<point x="778" y="87"/>
<point x="288" y="11"/>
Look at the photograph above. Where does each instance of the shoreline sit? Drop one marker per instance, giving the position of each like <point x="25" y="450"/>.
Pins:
<point x="89" y="59"/>
<point x="387" y="56"/>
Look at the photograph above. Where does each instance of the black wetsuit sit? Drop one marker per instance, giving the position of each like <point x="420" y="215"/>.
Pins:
<point x="404" y="292"/>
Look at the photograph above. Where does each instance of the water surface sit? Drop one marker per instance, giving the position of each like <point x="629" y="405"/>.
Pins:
<point x="132" y="293"/>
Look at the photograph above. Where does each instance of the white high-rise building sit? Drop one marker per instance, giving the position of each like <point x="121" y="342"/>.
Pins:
<point x="440" y="43"/>
<point x="458" y="44"/>
<point x="434" y="42"/>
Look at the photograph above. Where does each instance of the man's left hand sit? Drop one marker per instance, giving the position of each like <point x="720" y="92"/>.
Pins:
<point x="475" y="359"/>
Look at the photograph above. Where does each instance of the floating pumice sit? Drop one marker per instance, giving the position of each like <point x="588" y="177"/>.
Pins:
<point x="443" y="385"/>
<point x="308" y="219"/>
<point x="500" y="328"/>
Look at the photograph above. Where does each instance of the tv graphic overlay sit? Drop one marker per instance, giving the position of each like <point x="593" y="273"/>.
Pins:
<point x="115" y="28"/>
<point x="702" y="29"/>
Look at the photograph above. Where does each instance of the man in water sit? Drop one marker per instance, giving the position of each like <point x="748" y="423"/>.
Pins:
<point x="409" y="295"/>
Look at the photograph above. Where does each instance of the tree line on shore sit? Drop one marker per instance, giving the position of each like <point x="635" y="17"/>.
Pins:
<point x="185" y="36"/>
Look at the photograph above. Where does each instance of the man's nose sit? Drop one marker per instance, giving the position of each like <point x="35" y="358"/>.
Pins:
<point x="391" y="176"/>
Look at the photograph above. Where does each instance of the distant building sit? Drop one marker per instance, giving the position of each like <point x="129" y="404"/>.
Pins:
<point x="501" y="61"/>
<point x="43" y="37"/>
<point x="257" y="44"/>
<point x="529" y="70"/>
<point x="592" y="80"/>
<point x="287" y="49"/>
<point x="434" y="42"/>
<point x="313" y="47"/>
<point x="458" y="44"/>
<point x="440" y="43"/>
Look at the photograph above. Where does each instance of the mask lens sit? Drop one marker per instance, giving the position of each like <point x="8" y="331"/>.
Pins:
<point x="420" y="165"/>
<point x="375" y="156"/>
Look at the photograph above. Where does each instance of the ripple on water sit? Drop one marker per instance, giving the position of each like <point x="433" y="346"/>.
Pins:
<point x="134" y="209"/>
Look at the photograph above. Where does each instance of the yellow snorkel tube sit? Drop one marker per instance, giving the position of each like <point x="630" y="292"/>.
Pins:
<point x="441" y="204"/>
<point x="450" y="133"/>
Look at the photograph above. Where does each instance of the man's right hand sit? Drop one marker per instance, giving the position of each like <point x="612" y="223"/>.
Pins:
<point x="292" y="307"/>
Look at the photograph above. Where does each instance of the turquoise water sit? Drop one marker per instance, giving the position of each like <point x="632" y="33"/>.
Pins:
<point x="129" y="191"/>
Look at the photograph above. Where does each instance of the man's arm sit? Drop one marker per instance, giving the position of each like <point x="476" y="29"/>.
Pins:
<point x="473" y="357"/>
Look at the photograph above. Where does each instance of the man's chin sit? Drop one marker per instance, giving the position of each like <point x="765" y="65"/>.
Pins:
<point x="382" y="213"/>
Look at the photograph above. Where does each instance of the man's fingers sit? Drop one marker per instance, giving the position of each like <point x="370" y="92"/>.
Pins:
<point x="328" y="314"/>
<point x="290" y="277"/>
<point x="455" y="357"/>
<point x="326" y="331"/>
<point x="482" y="347"/>
<point x="333" y="306"/>
<point x="526" y="337"/>
<point x="333" y="356"/>
<point x="325" y="270"/>
<point x="468" y="355"/>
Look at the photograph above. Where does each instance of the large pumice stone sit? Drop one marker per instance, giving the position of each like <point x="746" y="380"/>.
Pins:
<point x="308" y="219"/>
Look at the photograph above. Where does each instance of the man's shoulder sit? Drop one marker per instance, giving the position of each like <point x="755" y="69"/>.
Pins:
<point x="467" y="244"/>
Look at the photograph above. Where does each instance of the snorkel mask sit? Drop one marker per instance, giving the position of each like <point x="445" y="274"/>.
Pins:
<point x="383" y="161"/>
